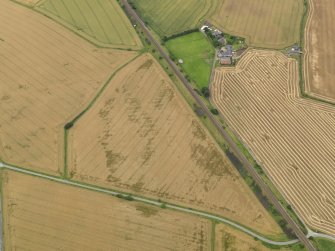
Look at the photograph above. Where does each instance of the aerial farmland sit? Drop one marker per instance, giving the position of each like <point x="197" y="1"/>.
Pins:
<point x="45" y="219"/>
<point x="32" y="113"/>
<point x="165" y="152"/>
<point x="319" y="72"/>
<point x="290" y="136"/>
<point x="167" y="125"/>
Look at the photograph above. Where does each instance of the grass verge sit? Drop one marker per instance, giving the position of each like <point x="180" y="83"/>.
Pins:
<point x="323" y="244"/>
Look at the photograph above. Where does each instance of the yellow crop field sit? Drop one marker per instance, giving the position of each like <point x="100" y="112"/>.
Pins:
<point x="270" y="24"/>
<point x="47" y="75"/>
<point x="293" y="138"/>
<point x="319" y="71"/>
<point x="100" y="21"/>
<point x="43" y="215"/>
<point x="227" y="238"/>
<point x="142" y="137"/>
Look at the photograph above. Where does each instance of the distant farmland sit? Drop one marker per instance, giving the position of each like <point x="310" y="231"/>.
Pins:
<point x="47" y="75"/>
<point x="292" y="138"/>
<point x="141" y="137"/>
<point x="270" y="23"/>
<point x="319" y="70"/>
<point x="102" y="21"/>
<point x="44" y="215"/>
<point x="169" y="17"/>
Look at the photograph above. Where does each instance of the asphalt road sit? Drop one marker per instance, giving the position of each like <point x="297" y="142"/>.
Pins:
<point x="259" y="181"/>
<point x="148" y="201"/>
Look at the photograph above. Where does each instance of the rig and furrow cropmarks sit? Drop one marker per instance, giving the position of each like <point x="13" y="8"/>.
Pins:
<point x="293" y="138"/>
<point x="47" y="74"/>
<point x="142" y="137"/>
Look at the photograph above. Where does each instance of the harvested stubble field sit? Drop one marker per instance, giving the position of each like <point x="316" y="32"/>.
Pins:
<point x="100" y="21"/>
<point x="293" y="138"/>
<point x="142" y="137"/>
<point x="43" y="215"/>
<point x="319" y="59"/>
<point x="270" y="23"/>
<point x="47" y="74"/>
<point x="169" y="17"/>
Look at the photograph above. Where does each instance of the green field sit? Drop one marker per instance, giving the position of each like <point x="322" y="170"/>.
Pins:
<point x="198" y="55"/>
<point x="101" y="21"/>
<point x="323" y="244"/>
<point x="169" y="17"/>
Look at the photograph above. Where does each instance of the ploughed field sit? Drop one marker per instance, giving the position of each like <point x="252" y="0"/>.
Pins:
<point x="47" y="75"/>
<point x="100" y="21"/>
<point x="270" y="23"/>
<point x="319" y="58"/>
<point x="142" y="137"/>
<point x="43" y="215"/>
<point x="293" y="138"/>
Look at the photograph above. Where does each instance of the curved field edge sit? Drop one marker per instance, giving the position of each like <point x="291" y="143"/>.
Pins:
<point x="137" y="45"/>
<point x="292" y="93"/>
<point x="150" y="226"/>
<point x="75" y="68"/>
<point x="71" y="121"/>
<point x="94" y="179"/>
<point x="129" y="197"/>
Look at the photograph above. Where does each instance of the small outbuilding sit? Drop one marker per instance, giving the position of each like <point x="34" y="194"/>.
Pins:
<point x="225" y="61"/>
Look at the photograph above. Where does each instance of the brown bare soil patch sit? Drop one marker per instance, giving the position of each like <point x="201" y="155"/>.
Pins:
<point x="142" y="137"/>
<point x="319" y="70"/>
<point x="292" y="138"/>
<point x="44" y="215"/>
<point x="47" y="74"/>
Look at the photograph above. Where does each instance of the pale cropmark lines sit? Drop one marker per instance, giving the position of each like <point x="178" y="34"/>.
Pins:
<point x="291" y="137"/>
<point x="142" y="138"/>
<point x="47" y="74"/>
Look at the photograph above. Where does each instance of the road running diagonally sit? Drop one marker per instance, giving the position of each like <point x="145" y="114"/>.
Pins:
<point x="149" y="201"/>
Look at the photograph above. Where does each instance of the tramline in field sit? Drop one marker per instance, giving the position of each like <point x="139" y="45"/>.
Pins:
<point x="141" y="137"/>
<point x="291" y="137"/>
<point x="59" y="73"/>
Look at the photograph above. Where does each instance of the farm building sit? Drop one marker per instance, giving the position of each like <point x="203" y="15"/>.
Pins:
<point x="225" y="61"/>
